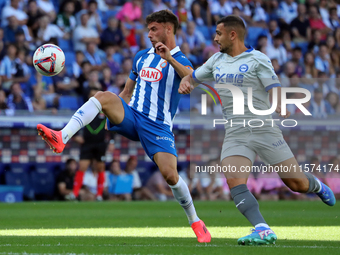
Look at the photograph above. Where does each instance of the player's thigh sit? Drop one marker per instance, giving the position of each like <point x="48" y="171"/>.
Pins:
<point x="156" y="137"/>
<point x="291" y="174"/>
<point x="167" y="164"/>
<point x="112" y="106"/>
<point x="127" y="127"/>
<point x="270" y="145"/>
<point x="236" y="169"/>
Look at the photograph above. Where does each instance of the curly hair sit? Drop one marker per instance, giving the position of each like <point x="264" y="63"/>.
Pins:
<point x="163" y="16"/>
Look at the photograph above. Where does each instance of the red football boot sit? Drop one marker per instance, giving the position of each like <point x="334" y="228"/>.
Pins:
<point x="202" y="233"/>
<point x="52" y="138"/>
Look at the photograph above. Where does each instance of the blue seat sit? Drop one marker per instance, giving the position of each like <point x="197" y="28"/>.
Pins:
<point x="65" y="45"/>
<point x="213" y="30"/>
<point x="303" y="46"/>
<point x="184" y="103"/>
<point x="205" y="31"/>
<point x="18" y="176"/>
<point x="70" y="57"/>
<point x="43" y="183"/>
<point x="105" y="16"/>
<point x="68" y="103"/>
<point x="253" y="34"/>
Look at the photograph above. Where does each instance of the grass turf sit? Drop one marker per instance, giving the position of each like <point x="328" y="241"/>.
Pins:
<point x="162" y="228"/>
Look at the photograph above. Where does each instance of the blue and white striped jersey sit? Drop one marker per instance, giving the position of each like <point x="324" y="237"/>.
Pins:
<point x="156" y="92"/>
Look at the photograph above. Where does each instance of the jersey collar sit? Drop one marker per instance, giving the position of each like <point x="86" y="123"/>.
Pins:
<point x="172" y="52"/>
<point x="249" y="48"/>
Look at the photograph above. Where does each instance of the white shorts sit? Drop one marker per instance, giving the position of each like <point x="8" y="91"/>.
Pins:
<point x="267" y="142"/>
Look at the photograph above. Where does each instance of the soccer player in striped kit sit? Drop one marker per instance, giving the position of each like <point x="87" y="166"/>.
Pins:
<point x="144" y="111"/>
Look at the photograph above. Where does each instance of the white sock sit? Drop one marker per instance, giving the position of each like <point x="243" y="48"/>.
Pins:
<point x="82" y="117"/>
<point x="320" y="186"/>
<point x="263" y="225"/>
<point x="182" y="195"/>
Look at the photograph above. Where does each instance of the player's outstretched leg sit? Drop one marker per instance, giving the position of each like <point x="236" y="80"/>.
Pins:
<point x="305" y="182"/>
<point x="247" y="204"/>
<point x="167" y="164"/>
<point x="107" y="102"/>
<point x="83" y="116"/>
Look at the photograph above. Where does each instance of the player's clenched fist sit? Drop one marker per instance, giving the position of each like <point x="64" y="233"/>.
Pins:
<point x="185" y="87"/>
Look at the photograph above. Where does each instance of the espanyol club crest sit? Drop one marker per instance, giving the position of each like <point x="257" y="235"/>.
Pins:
<point x="164" y="64"/>
<point x="243" y="68"/>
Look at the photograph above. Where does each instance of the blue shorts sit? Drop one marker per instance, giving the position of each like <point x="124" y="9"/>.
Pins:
<point x="155" y="137"/>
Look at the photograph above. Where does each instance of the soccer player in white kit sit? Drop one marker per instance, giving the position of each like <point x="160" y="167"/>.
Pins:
<point x="245" y="67"/>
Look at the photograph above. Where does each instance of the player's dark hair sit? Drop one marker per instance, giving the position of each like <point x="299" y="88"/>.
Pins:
<point x="234" y="22"/>
<point x="163" y="16"/>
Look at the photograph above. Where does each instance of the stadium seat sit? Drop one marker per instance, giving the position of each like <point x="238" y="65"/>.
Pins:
<point x="56" y="4"/>
<point x="70" y="58"/>
<point x="18" y="175"/>
<point x="303" y="46"/>
<point x="43" y="182"/>
<point x="253" y="34"/>
<point x="109" y="13"/>
<point x="205" y="32"/>
<point x="66" y="45"/>
<point x="68" y="103"/>
<point x="184" y="103"/>
<point x="213" y="30"/>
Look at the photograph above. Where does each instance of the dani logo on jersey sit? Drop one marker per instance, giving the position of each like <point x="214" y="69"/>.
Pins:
<point x="150" y="74"/>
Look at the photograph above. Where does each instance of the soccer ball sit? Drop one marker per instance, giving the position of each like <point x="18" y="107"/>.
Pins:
<point x="49" y="59"/>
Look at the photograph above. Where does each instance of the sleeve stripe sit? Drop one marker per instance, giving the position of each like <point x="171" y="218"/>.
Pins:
<point x="194" y="76"/>
<point x="273" y="86"/>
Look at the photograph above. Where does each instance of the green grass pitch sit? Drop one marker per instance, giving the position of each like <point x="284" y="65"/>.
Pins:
<point x="162" y="228"/>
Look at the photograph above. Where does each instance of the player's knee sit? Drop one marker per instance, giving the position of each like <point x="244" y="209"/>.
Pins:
<point x="171" y="177"/>
<point x="105" y="98"/>
<point x="233" y="182"/>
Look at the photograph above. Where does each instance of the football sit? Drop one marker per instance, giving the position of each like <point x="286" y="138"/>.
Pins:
<point x="49" y="59"/>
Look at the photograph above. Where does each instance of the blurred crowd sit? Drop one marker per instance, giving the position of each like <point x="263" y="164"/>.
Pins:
<point x="126" y="185"/>
<point x="101" y="37"/>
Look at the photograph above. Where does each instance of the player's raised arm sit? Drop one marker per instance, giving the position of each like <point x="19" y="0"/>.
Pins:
<point x="203" y="73"/>
<point x="164" y="52"/>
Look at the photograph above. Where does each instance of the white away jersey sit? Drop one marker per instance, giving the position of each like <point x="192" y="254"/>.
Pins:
<point x="156" y="92"/>
<point x="252" y="69"/>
